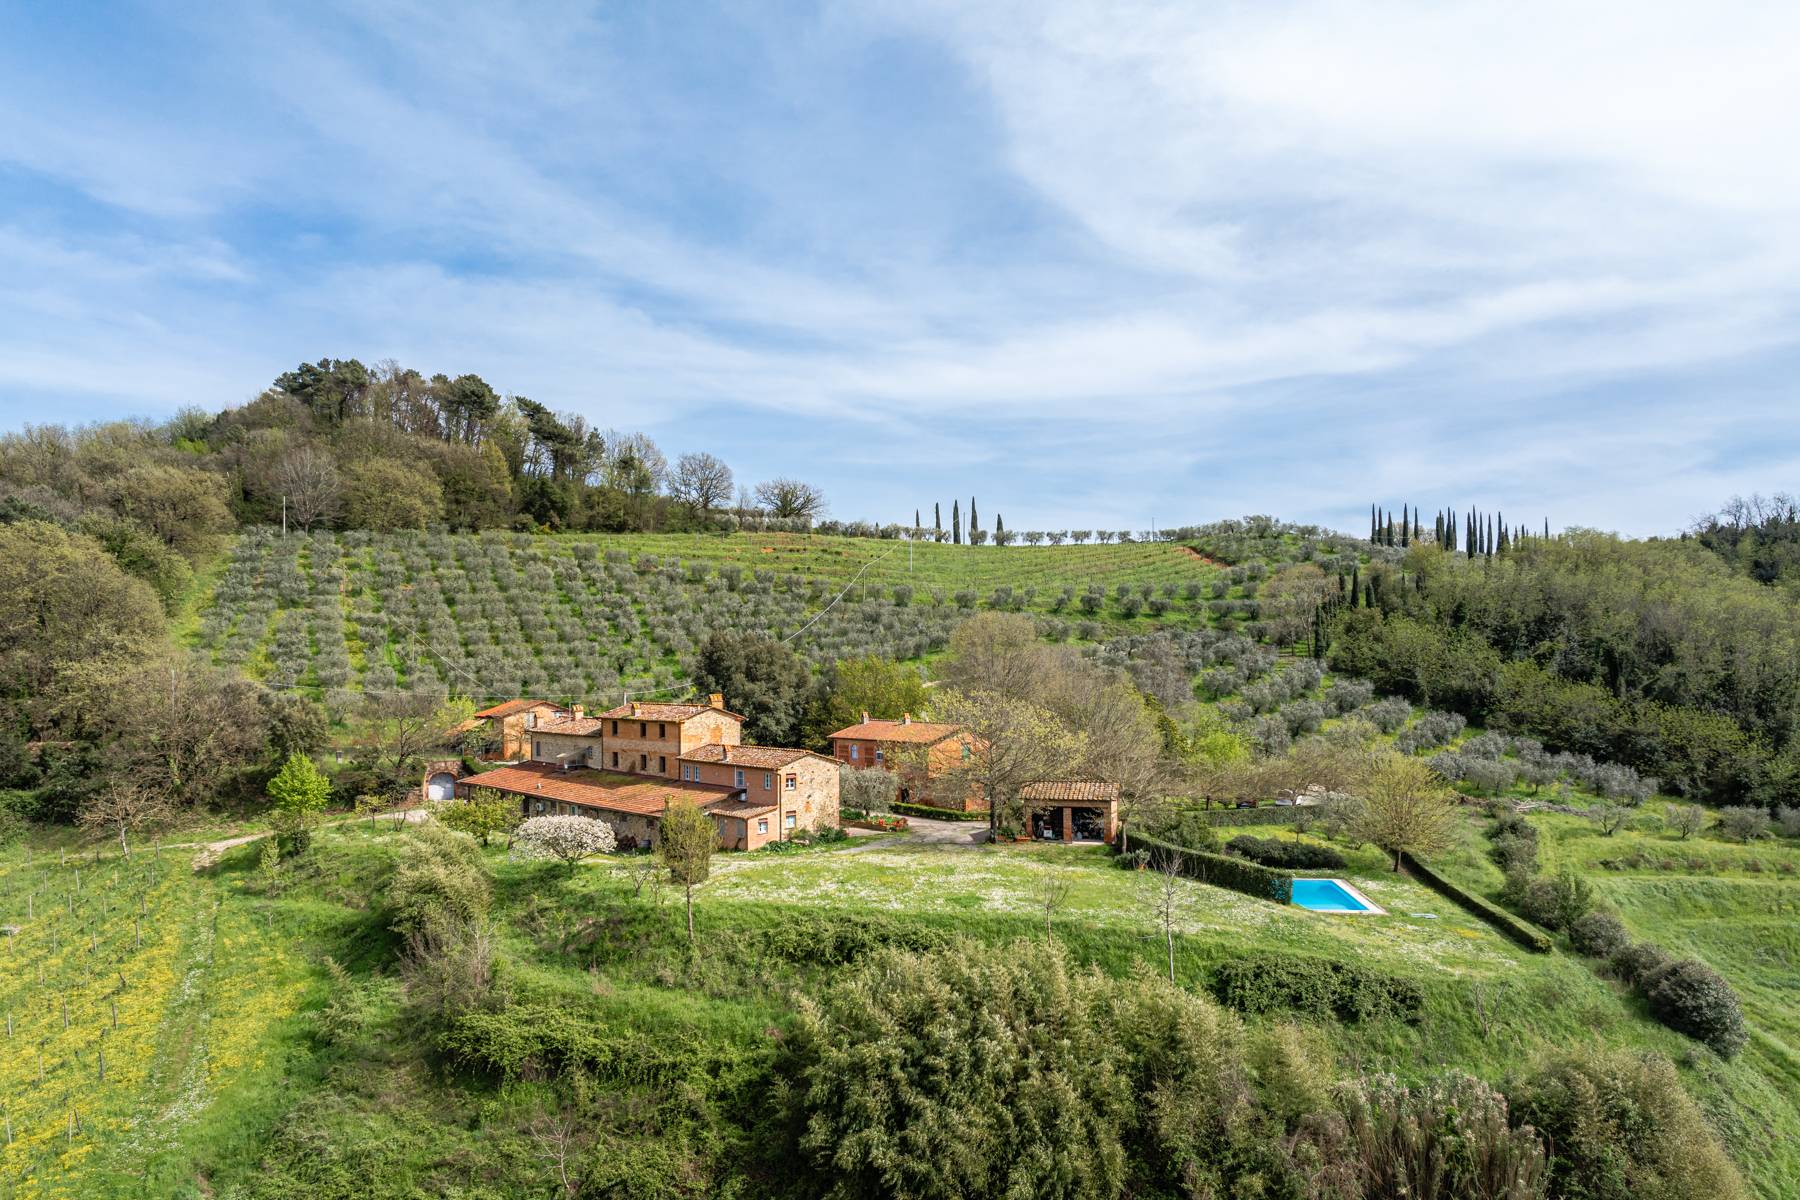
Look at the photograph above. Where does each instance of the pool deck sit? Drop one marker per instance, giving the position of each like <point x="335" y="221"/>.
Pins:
<point x="1372" y="909"/>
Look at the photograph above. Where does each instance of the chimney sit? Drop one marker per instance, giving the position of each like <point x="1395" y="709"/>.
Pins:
<point x="579" y="711"/>
<point x="906" y="718"/>
<point x="865" y="719"/>
<point x="634" y="708"/>
<point x="716" y="700"/>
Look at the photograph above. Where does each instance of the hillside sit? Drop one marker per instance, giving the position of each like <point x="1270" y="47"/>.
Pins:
<point x="498" y="615"/>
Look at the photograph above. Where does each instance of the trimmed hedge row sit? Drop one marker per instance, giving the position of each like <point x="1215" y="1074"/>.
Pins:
<point x="934" y="813"/>
<point x="1220" y="870"/>
<point x="1493" y="914"/>
<point x="1287" y="855"/>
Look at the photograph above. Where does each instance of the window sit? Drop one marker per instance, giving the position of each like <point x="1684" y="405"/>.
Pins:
<point x="790" y="783"/>
<point x="643" y="729"/>
<point x="737" y="777"/>
<point x="762" y="825"/>
<point x="662" y="764"/>
<point x="878" y="756"/>
<point x="540" y="806"/>
<point x="537" y="748"/>
<point x="662" y="731"/>
<point x="855" y="751"/>
<point x="643" y="762"/>
<point x="768" y="781"/>
<point x="789" y="823"/>
<point x="615" y="729"/>
<point x="615" y="754"/>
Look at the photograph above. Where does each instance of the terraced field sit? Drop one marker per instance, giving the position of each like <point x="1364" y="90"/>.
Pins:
<point x="494" y="616"/>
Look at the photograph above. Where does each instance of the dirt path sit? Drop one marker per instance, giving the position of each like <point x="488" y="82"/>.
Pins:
<point x="210" y="851"/>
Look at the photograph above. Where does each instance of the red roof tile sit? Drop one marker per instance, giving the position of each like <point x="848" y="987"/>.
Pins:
<point x="1095" y="790"/>
<point x="665" y="712"/>
<point x="642" y="795"/>
<point x="507" y="708"/>
<point x="878" y="730"/>
<point x="572" y="726"/>
<point x="765" y="758"/>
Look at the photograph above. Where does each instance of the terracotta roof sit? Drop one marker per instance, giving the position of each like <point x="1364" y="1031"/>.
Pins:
<point x="763" y="758"/>
<point x="877" y="730"/>
<point x="639" y="794"/>
<point x="1095" y="790"/>
<point x="508" y="707"/>
<point x="741" y="811"/>
<point x="664" y="712"/>
<point x="575" y="726"/>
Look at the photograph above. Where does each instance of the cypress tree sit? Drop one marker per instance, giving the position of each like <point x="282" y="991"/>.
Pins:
<point x="937" y="521"/>
<point x="974" y="523"/>
<point x="1374" y="526"/>
<point x="1437" y="527"/>
<point x="1546" y="529"/>
<point x="1487" y="539"/>
<point x="1418" y="530"/>
<point x="1355" y="585"/>
<point x="999" y="528"/>
<point x="1405" y="526"/>
<point x="1369" y="595"/>
<point x="955" y="523"/>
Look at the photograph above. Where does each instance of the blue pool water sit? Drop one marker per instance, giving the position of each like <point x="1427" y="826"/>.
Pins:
<point x="1326" y="895"/>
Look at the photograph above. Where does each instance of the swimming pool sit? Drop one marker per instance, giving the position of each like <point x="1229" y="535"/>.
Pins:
<point x="1332" y="895"/>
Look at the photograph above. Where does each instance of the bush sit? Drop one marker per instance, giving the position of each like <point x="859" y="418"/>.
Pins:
<point x="833" y="941"/>
<point x="1638" y="961"/>
<point x="1272" y="981"/>
<point x="1019" y="1075"/>
<point x="440" y="882"/>
<point x="1555" y="903"/>
<point x="1448" y="1138"/>
<point x="1599" y="934"/>
<point x="1274" y="852"/>
<point x="1787" y="821"/>
<point x="1692" y="998"/>
<point x="1621" y="1127"/>
<point x="1744" y="822"/>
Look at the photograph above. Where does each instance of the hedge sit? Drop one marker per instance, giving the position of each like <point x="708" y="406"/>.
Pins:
<point x="1267" y="982"/>
<point x="1280" y="814"/>
<point x="934" y="813"/>
<point x="1499" y="918"/>
<point x="1287" y="855"/>
<point x="1264" y="883"/>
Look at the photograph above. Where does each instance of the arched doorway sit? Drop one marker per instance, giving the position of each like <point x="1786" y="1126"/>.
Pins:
<point x="441" y="786"/>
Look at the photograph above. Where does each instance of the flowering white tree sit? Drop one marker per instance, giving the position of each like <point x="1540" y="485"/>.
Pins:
<point x="569" y="839"/>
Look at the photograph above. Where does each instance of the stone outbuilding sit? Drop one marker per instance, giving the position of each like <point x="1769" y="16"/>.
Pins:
<point x="1072" y="810"/>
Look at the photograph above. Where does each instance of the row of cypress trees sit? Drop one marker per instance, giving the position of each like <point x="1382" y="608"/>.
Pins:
<point x="956" y="525"/>
<point x="1480" y="534"/>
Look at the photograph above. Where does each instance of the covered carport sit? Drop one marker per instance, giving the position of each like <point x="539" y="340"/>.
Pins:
<point x="1072" y="810"/>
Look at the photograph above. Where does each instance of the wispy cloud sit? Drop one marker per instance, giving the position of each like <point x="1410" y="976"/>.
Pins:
<point x="1148" y="260"/>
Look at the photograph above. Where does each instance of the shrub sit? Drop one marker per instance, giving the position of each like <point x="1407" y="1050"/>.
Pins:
<point x="1555" y="903"/>
<point x="1638" y="961"/>
<point x="1024" y="1076"/>
<point x="1692" y="998"/>
<point x="1516" y="855"/>
<point x="1448" y="1138"/>
<point x="1787" y="821"/>
<point x="932" y="812"/>
<point x="1273" y="981"/>
<point x="1620" y="1127"/>
<point x="1599" y="934"/>
<point x="1274" y="852"/>
<point x="833" y="941"/>
<point x="439" y="883"/>
<point x="1744" y="822"/>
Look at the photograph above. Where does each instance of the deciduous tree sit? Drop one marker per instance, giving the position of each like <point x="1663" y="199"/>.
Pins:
<point x="1406" y="808"/>
<point x="686" y="842"/>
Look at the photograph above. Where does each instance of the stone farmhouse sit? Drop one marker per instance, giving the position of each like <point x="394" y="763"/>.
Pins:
<point x="920" y="752"/>
<point x="508" y="725"/>
<point x="624" y="766"/>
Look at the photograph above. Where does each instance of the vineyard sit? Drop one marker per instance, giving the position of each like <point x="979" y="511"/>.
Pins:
<point x="135" y="995"/>
<point x="500" y="615"/>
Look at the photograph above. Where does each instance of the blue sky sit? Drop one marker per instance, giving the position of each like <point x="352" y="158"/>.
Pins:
<point x="1098" y="265"/>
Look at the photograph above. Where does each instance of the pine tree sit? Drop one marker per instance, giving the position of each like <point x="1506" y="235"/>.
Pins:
<point x="955" y="523"/>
